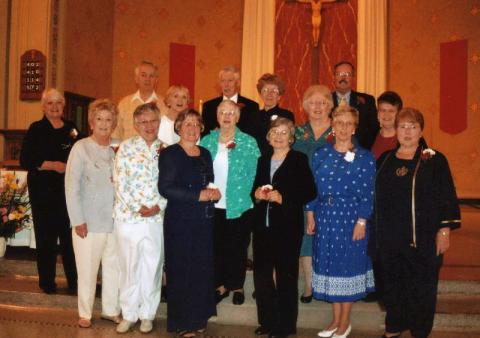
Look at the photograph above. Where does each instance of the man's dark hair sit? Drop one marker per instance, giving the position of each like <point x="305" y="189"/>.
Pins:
<point x="344" y="62"/>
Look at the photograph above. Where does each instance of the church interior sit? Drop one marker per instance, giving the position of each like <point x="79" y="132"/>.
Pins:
<point x="428" y="51"/>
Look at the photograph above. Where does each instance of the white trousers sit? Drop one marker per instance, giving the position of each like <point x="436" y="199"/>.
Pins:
<point x="89" y="252"/>
<point x="140" y="256"/>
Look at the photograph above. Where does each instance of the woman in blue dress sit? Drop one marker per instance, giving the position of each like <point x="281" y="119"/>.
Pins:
<point x="344" y="174"/>
<point x="186" y="173"/>
<point x="317" y="103"/>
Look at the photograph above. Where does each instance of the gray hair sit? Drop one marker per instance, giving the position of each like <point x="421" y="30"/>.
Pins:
<point x="230" y="69"/>
<point x="146" y="63"/>
<point x="51" y="92"/>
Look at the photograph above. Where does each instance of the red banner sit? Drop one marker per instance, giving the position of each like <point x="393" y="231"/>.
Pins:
<point x="453" y="86"/>
<point x="182" y="67"/>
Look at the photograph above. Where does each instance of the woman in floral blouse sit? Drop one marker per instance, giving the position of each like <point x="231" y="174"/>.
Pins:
<point x="138" y="215"/>
<point x="235" y="157"/>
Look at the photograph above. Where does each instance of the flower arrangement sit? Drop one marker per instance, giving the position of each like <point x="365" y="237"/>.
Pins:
<point x="14" y="206"/>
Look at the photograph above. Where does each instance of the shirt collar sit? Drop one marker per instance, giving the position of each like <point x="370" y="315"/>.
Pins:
<point x="234" y="98"/>
<point x="346" y="96"/>
<point x="152" y="97"/>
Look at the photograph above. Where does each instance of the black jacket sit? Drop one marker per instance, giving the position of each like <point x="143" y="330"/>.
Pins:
<point x="295" y="182"/>
<point x="248" y="110"/>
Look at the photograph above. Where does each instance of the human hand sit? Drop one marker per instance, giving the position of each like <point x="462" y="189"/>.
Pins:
<point x="260" y="194"/>
<point x="443" y="240"/>
<point x="149" y="212"/>
<point x="81" y="230"/>
<point x="310" y="223"/>
<point x="275" y="196"/>
<point x="358" y="232"/>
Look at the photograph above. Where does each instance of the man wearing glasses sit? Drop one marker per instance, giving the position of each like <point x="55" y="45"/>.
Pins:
<point x="138" y="218"/>
<point x="368" y="127"/>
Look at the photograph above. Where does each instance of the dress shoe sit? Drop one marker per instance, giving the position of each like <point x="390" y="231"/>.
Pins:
<point x="124" y="326"/>
<point x="219" y="296"/>
<point x="306" y="299"/>
<point x="345" y="334"/>
<point x="50" y="290"/>
<point x="146" y="326"/>
<point x="327" y="333"/>
<point x="116" y="319"/>
<point x="262" y="330"/>
<point x="238" y="298"/>
<point x="84" y="323"/>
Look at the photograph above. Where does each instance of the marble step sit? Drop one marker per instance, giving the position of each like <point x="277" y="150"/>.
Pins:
<point x="458" y="303"/>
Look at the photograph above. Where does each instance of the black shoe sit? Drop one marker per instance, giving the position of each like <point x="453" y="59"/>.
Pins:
<point x="50" y="290"/>
<point x="306" y="299"/>
<point x="219" y="297"/>
<point x="238" y="298"/>
<point x="262" y="330"/>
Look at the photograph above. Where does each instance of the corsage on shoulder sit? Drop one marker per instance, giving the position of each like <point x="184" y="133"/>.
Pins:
<point x="427" y="154"/>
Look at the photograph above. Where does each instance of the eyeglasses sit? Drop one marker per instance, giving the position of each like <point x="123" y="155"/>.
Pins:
<point x="227" y="112"/>
<point x="192" y="125"/>
<point x="270" y="91"/>
<point x="344" y="74"/>
<point x="146" y="122"/>
<point x="279" y="132"/>
<point x="406" y="126"/>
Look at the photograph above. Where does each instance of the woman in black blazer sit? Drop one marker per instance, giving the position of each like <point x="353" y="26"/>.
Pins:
<point x="283" y="185"/>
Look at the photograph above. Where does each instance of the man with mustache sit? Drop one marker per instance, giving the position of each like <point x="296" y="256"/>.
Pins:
<point x="368" y="126"/>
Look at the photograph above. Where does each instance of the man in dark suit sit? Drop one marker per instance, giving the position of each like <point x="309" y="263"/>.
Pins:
<point x="368" y="126"/>
<point x="229" y="81"/>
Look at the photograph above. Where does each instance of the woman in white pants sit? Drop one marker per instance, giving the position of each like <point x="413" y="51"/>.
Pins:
<point x="90" y="194"/>
<point x="138" y="215"/>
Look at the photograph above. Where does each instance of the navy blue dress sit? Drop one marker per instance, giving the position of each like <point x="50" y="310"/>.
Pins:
<point x="188" y="234"/>
<point x="342" y="271"/>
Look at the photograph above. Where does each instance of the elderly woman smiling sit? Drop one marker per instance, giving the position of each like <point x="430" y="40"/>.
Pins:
<point x="89" y="193"/>
<point x="235" y="157"/>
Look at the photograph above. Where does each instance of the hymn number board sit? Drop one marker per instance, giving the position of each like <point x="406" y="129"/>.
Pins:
<point x="32" y="75"/>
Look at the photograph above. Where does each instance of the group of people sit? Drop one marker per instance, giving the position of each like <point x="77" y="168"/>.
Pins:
<point x="161" y="194"/>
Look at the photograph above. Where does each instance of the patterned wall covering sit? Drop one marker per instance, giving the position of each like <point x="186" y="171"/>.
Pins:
<point x="89" y="44"/>
<point x="293" y="53"/>
<point x="145" y="28"/>
<point x="417" y="28"/>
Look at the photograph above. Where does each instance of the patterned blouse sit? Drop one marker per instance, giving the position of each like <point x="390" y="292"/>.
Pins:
<point x="135" y="177"/>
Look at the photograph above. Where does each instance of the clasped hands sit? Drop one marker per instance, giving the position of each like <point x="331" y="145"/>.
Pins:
<point x="268" y="195"/>
<point x="145" y="211"/>
<point x="209" y="194"/>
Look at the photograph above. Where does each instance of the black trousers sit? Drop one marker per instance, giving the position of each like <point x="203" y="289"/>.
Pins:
<point x="277" y="301"/>
<point x="410" y="278"/>
<point x="52" y="224"/>
<point x="231" y="238"/>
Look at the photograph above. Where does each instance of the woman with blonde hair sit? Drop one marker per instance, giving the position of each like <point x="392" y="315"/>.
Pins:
<point x="177" y="99"/>
<point x="318" y="104"/>
<point x="90" y="196"/>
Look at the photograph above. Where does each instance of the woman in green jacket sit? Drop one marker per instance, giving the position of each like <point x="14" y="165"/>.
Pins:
<point x="234" y="155"/>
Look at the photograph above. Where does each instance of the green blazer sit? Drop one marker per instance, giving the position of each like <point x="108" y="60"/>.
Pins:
<point x="242" y="166"/>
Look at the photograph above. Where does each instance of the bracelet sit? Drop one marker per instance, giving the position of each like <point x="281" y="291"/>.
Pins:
<point x="361" y="223"/>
